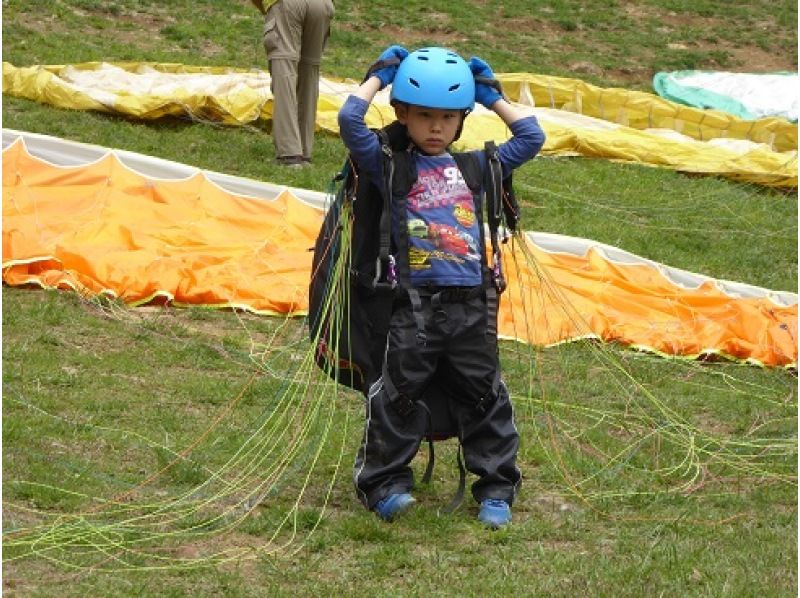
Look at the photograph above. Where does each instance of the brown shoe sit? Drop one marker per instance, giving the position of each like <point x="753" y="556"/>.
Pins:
<point x="291" y="161"/>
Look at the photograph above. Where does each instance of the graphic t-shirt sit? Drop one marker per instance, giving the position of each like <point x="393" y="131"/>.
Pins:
<point x="443" y="231"/>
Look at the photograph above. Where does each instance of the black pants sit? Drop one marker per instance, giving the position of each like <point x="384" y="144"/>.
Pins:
<point x="458" y="363"/>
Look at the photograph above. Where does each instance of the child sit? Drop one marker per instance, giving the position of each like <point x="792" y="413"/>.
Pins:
<point x="433" y="90"/>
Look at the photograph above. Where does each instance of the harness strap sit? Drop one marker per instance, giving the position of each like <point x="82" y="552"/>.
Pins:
<point x="399" y="402"/>
<point x="458" y="498"/>
<point x="386" y="213"/>
<point x="491" y="82"/>
<point x="426" y="477"/>
<point x="485" y="400"/>
<point x="492" y="304"/>
<point x="494" y="187"/>
<point x="416" y="309"/>
<point x="452" y="294"/>
<point x="384" y="266"/>
<point x="403" y="164"/>
<point x="403" y="405"/>
<point x="494" y="209"/>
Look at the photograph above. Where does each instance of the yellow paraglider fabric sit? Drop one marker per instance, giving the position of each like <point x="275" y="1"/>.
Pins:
<point x="578" y="118"/>
<point x="103" y="228"/>
<point x="645" y="111"/>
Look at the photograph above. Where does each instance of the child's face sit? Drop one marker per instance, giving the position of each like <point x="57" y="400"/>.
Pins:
<point x="431" y="129"/>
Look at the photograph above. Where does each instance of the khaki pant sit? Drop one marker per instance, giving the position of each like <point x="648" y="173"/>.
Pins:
<point x="295" y="34"/>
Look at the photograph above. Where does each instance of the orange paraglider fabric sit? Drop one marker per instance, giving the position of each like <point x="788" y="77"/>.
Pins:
<point x="572" y="297"/>
<point x="104" y="228"/>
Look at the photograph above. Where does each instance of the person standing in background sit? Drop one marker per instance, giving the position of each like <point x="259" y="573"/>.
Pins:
<point x="295" y="34"/>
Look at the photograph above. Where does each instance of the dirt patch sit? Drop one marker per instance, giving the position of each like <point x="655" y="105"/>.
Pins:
<point x="132" y="27"/>
<point x="745" y="55"/>
<point x="209" y="49"/>
<point x="555" y="505"/>
<point x="754" y="59"/>
<point x="546" y="32"/>
<point x="152" y="20"/>
<point x="412" y="38"/>
<point x="47" y="25"/>
<point x="711" y="41"/>
<point x="624" y="75"/>
<point x="586" y="67"/>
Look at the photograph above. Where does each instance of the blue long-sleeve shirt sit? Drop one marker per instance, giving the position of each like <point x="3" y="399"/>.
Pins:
<point x="443" y="231"/>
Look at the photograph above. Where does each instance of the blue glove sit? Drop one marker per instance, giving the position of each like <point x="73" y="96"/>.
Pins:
<point x="484" y="94"/>
<point x="387" y="73"/>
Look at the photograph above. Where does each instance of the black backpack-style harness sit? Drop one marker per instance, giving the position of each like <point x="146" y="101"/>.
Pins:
<point x="356" y="276"/>
<point x="355" y="237"/>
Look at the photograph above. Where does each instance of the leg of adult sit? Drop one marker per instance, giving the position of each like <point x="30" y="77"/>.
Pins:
<point x="316" y="29"/>
<point x="283" y="30"/>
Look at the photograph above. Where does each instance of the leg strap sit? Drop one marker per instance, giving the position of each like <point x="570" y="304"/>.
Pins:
<point x="462" y="484"/>
<point x="491" y="311"/>
<point x="416" y="306"/>
<point x="483" y="403"/>
<point x="399" y="402"/>
<point x="462" y="471"/>
<point x="426" y="478"/>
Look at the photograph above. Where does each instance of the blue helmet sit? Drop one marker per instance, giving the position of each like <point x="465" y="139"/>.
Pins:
<point x="434" y="78"/>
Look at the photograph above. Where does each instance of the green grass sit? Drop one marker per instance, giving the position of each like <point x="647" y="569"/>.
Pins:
<point x="97" y="398"/>
<point x="619" y="43"/>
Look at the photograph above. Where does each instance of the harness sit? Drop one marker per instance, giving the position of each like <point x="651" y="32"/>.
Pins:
<point x="400" y="174"/>
<point x="351" y="349"/>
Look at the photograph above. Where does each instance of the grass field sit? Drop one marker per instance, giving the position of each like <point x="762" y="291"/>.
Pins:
<point x="680" y="480"/>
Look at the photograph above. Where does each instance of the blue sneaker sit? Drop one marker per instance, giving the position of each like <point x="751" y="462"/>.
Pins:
<point x="494" y="513"/>
<point x="394" y="504"/>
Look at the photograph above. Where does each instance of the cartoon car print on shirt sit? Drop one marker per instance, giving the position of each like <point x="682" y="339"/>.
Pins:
<point x="473" y="247"/>
<point x="417" y="228"/>
<point x="464" y="214"/>
<point x="448" y="238"/>
<point x="419" y="259"/>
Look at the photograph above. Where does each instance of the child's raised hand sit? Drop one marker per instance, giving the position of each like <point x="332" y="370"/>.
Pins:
<point x="485" y="93"/>
<point x="385" y="68"/>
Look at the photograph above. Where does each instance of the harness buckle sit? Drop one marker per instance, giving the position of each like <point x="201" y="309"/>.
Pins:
<point x="497" y="274"/>
<point x="391" y="274"/>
